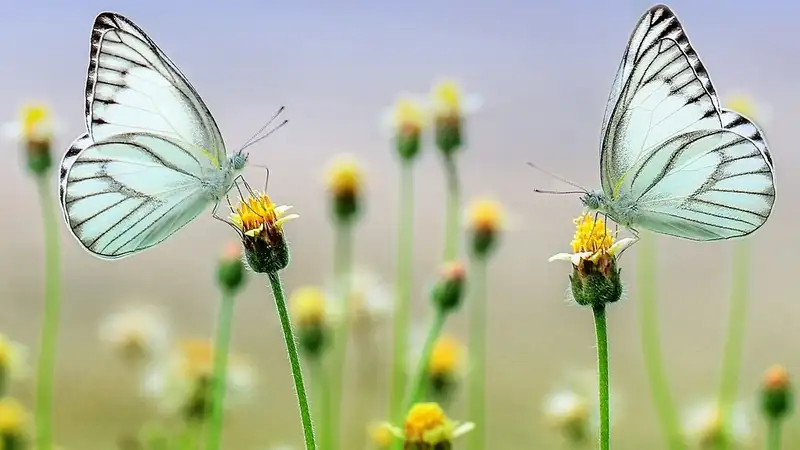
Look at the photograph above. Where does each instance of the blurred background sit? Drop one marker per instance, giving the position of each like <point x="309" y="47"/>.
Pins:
<point x="543" y="69"/>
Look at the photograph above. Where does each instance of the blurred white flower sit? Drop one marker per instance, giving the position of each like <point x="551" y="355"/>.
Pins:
<point x="703" y="427"/>
<point x="370" y="301"/>
<point x="181" y="382"/>
<point x="573" y="407"/>
<point x="137" y="333"/>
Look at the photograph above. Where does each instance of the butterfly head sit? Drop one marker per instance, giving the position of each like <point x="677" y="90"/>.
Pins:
<point x="238" y="160"/>
<point x="594" y="200"/>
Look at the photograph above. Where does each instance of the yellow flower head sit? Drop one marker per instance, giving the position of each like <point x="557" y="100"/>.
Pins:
<point x="381" y="435"/>
<point x="308" y="306"/>
<point x="427" y="424"/>
<point x="257" y="216"/>
<point x="591" y="235"/>
<point x="486" y="216"/>
<point x="446" y="356"/>
<point x="448" y="99"/>
<point x="13" y="417"/>
<point x="36" y="123"/>
<point x="196" y="357"/>
<point x="743" y="105"/>
<point x="345" y="177"/>
<point x="409" y="117"/>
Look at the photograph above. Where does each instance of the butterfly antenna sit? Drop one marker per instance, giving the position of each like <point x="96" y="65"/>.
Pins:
<point x="261" y="138"/>
<point x="253" y="139"/>
<point x="582" y="190"/>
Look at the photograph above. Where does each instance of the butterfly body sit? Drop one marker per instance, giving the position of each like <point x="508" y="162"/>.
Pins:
<point x="152" y="158"/>
<point x="672" y="160"/>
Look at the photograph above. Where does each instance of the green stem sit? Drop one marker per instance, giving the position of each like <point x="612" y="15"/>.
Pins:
<point x="221" y="345"/>
<point x="402" y="308"/>
<point x="452" y="232"/>
<point x="49" y="331"/>
<point x="602" y="375"/>
<point x="476" y="407"/>
<point x="651" y="345"/>
<point x="419" y="384"/>
<point x="294" y="360"/>
<point x="734" y="345"/>
<point x="342" y="268"/>
<point x="324" y="418"/>
<point x="773" y="434"/>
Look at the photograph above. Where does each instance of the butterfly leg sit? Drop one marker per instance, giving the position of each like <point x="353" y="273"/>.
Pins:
<point x="222" y="219"/>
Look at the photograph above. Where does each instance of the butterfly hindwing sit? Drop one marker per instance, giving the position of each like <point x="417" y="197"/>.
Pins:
<point x="131" y="191"/>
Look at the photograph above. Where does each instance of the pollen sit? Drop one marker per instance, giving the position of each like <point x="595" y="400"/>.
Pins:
<point x="308" y="306"/>
<point x="426" y="423"/>
<point x="345" y="177"/>
<point x="409" y="116"/>
<point x="445" y="356"/>
<point x="486" y="216"/>
<point x="591" y="235"/>
<point x="448" y="97"/>
<point x="36" y="119"/>
<point x="257" y="213"/>
<point x="12" y="417"/>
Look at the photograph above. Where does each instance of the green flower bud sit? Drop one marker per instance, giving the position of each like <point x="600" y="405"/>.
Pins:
<point x="345" y="183"/>
<point x="596" y="281"/>
<point x="777" y="397"/>
<point x="230" y="270"/>
<point x="449" y="290"/>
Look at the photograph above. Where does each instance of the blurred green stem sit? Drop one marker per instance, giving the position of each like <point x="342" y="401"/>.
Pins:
<point x="49" y="331"/>
<point x="773" y="434"/>
<point x="601" y="331"/>
<point x="651" y="345"/>
<point x="734" y="344"/>
<point x="221" y="345"/>
<point x="452" y="231"/>
<point x="419" y="384"/>
<point x="294" y="360"/>
<point x="342" y="268"/>
<point x="402" y="305"/>
<point x="476" y="407"/>
<point x="322" y="392"/>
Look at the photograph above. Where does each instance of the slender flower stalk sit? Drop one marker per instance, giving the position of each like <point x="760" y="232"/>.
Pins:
<point x="774" y="435"/>
<point x="230" y="277"/>
<point x="35" y="132"/>
<point x="418" y="386"/>
<point x="260" y="226"/>
<point x="345" y="184"/>
<point x="294" y="361"/>
<point x="407" y="119"/>
<point x="485" y="219"/>
<point x="737" y="321"/>
<point x="595" y="282"/>
<point x="453" y="208"/>
<point x="651" y="346"/>
<point x="601" y="331"/>
<point x="323" y="400"/>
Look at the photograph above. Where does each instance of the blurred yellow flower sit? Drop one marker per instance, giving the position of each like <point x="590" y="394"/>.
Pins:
<point x="409" y="116"/>
<point x="450" y="101"/>
<point x="37" y="123"/>
<point x="345" y="176"/>
<point x="776" y="377"/>
<point x="744" y="105"/>
<point x="138" y="333"/>
<point x="257" y="216"/>
<point x="308" y="305"/>
<point x="381" y="435"/>
<point x="13" y="364"/>
<point x="485" y="216"/>
<point x="427" y="427"/>
<point x="13" y="417"/>
<point x="704" y="428"/>
<point x="446" y="357"/>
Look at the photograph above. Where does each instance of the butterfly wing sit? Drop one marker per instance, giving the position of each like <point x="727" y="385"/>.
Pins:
<point x="131" y="191"/>
<point x="132" y="86"/>
<point x="703" y="185"/>
<point x="662" y="92"/>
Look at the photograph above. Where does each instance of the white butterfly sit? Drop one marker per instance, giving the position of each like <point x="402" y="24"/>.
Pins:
<point x="672" y="160"/>
<point x="153" y="158"/>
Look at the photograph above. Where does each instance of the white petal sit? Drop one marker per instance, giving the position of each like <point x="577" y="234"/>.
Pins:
<point x="463" y="429"/>
<point x="621" y="245"/>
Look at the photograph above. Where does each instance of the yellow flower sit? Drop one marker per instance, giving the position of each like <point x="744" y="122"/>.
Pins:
<point x="408" y="117"/>
<point x="36" y="123"/>
<point x="308" y="306"/>
<point x="744" y="105"/>
<point x="486" y="216"/>
<point x="381" y="435"/>
<point x="12" y="360"/>
<point x="345" y="177"/>
<point x="426" y="426"/>
<point x="446" y="357"/>
<point x="257" y="216"/>
<point x="592" y="240"/>
<point x="449" y="100"/>
<point x="13" y="417"/>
